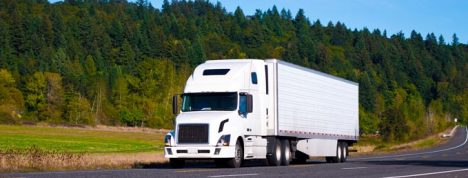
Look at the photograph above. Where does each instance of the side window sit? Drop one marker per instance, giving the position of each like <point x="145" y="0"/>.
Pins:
<point x="253" y="75"/>
<point x="243" y="105"/>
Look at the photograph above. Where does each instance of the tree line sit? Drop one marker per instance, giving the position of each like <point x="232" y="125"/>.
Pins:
<point x="115" y="62"/>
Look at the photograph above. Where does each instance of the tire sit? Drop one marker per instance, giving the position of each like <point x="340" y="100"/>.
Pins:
<point x="344" y="151"/>
<point x="275" y="158"/>
<point x="337" y="158"/>
<point x="285" y="152"/>
<point x="177" y="163"/>
<point x="236" y="162"/>
<point x="339" y="155"/>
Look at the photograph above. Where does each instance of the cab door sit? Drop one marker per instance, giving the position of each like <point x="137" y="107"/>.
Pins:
<point x="270" y="107"/>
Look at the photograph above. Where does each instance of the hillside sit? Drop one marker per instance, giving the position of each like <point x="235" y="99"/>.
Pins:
<point x="118" y="63"/>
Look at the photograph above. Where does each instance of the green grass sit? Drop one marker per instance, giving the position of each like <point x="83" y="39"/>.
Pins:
<point x="427" y="143"/>
<point x="77" y="140"/>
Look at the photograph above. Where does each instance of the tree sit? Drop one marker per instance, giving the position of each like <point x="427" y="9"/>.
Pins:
<point x="393" y="126"/>
<point x="36" y="99"/>
<point x="455" y="40"/>
<point x="110" y="57"/>
<point x="11" y="99"/>
<point x="55" y="96"/>
<point x="77" y="109"/>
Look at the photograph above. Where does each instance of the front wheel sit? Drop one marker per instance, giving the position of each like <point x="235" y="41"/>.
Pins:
<point x="238" y="157"/>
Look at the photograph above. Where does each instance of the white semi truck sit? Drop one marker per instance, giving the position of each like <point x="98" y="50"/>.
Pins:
<point x="242" y="109"/>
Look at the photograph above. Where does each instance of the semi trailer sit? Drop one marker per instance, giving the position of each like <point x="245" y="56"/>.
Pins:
<point x="243" y="109"/>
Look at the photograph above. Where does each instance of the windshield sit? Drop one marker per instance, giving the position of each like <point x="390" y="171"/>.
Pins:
<point x="209" y="102"/>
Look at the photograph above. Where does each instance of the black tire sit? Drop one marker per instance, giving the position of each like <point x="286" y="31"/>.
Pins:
<point x="275" y="158"/>
<point x="236" y="162"/>
<point x="177" y="163"/>
<point x="337" y="158"/>
<point x="285" y="152"/>
<point x="344" y="151"/>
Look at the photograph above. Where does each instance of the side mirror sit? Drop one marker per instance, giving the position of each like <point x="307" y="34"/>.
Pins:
<point x="249" y="103"/>
<point x="245" y="104"/>
<point x="175" y="107"/>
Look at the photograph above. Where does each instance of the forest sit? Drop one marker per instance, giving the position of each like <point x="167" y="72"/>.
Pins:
<point x="113" y="62"/>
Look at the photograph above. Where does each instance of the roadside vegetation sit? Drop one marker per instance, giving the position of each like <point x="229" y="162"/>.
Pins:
<point x="79" y="140"/>
<point x="37" y="148"/>
<point x="374" y="144"/>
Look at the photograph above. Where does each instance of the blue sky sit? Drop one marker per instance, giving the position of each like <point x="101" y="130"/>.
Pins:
<point x="442" y="17"/>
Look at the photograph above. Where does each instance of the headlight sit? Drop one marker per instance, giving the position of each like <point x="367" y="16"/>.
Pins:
<point x="224" y="140"/>
<point x="167" y="140"/>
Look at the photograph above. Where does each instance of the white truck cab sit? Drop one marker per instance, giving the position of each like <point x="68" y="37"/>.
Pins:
<point x="233" y="110"/>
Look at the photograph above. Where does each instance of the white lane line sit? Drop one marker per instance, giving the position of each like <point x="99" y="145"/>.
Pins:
<point x="354" y="168"/>
<point x="429" y="173"/>
<point x="415" y="154"/>
<point x="234" y="175"/>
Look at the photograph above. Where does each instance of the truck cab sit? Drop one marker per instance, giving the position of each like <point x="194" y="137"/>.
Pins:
<point x="217" y="114"/>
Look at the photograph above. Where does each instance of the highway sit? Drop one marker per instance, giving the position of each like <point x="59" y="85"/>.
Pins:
<point x="448" y="160"/>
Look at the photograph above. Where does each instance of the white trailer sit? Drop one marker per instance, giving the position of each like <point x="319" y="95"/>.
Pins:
<point x="235" y="110"/>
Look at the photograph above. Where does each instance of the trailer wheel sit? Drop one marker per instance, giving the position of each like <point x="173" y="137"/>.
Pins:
<point x="177" y="163"/>
<point x="275" y="158"/>
<point x="337" y="158"/>
<point x="238" y="157"/>
<point x="344" y="151"/>
<point x="285" y="152"/>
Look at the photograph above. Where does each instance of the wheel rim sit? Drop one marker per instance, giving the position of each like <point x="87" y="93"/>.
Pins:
<point x="339" y="153"/>
<point x="287" y="153"/>
<point x="238" y="153"/>
<point x="345" y="152"/>
<point x="278" y="153"/>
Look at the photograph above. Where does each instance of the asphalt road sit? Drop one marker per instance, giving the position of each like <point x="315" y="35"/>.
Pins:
<point x="448" y="160"/>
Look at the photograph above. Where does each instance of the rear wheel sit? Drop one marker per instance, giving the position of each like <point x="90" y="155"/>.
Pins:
<point x="275" y="158"/>
<point x="177" y="163"/>
<point x="344" y="151"/>
<point x="238" y="157"/>
<point x="337" y="158"/>
<point x="285" y="152"/>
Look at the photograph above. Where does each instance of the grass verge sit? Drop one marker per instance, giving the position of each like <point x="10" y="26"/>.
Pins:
<point x="43" y="148"/>
<point x="375" y="145"/>
<point x="79" y="140"/>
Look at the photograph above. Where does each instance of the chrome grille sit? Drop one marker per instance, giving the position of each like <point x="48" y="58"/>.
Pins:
<point x="193" y="133"/>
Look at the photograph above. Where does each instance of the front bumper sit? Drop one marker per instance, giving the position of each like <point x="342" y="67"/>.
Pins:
<point x="199" y="152"/>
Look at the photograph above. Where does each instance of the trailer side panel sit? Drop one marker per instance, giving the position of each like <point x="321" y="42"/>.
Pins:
<point x="312" y="104"/>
